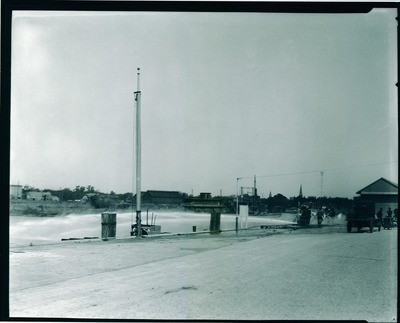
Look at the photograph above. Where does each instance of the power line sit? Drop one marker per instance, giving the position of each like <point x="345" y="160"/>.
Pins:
<point x="366" y="165"/>
<point x="325" y="170"/>
<point x="286" y="174"/>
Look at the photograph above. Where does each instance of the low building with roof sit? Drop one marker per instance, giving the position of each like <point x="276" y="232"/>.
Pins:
<point x="40" y="196"/>
<point x="383" y="193"/>
<point x="162" y="197"/>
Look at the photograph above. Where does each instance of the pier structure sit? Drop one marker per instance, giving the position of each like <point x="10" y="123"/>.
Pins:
<point x="203" y="203"/>
<point x="206" y="204"/>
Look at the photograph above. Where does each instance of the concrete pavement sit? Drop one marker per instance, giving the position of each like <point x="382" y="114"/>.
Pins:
<point x="305" y="274"/>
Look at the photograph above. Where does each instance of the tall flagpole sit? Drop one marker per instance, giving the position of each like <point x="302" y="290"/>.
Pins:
<point x="138" y="158"/>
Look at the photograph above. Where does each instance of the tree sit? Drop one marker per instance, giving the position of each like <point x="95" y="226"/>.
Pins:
<point x="90" y="189"/>
<point x="66" y="194"/>
<point x="277" y="200"/>
<point x="79" y="192"/>
<point x="27" y="188"/>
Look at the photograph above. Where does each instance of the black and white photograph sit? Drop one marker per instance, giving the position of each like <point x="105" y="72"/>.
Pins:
<point x="203" y="164"/>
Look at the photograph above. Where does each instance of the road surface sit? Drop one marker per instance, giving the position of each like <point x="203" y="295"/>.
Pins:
<point x="306" y="274"/>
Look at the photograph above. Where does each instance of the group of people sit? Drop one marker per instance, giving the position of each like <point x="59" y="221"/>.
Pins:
<point x="391" y="216"/>
<point x="389" y="213"/>
<point x="304" y="216"/>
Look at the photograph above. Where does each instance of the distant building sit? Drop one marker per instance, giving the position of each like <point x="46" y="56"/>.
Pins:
<point x="87" y="197"/>
<point x="162" y="197"/>
<point x="34" y="196"/>
<point x="16" y="191"/>
<point x="40" y="196"/>
<point x="205" y="196"/>
<point x="382" y="193"/>
<point x="203" y="203"/>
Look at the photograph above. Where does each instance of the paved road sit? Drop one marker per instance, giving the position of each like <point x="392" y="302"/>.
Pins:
<point x="305" y="274"/>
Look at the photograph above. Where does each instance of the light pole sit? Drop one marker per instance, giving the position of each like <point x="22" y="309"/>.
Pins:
<point x="138" y="158"/>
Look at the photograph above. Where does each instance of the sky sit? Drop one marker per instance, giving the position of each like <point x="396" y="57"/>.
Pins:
<point x="224" y="96"/>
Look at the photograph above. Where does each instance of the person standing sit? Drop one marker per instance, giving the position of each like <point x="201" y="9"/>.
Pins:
<point x="320" y="216"/>
<point x="379" y="215"/>
<point x="388" y="220"/>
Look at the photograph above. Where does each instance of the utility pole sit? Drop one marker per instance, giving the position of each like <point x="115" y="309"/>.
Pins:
<point x="138" y="158"/>
<point x="237" y="196"/>
<point x="322" y="177"/>
<point x="237" y="203"/>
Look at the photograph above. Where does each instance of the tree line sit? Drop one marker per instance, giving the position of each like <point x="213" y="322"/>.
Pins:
<point x="279" y="200"/>
<point x="78" y="193"/>
<point x="276" y="202"/>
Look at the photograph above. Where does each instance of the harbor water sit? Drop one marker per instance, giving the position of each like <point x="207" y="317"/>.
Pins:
<point x="42" y="230"/>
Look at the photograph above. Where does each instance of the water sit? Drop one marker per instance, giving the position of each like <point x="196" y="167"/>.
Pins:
<point x="42" y="230"/>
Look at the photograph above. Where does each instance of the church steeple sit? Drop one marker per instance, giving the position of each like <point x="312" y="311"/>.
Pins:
<point x="301" y="191"/>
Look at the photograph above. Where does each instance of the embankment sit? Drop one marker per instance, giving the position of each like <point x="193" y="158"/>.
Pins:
<point x="49" y="208"/>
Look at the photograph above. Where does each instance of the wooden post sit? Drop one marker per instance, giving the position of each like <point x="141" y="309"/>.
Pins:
<point x="215" y="222"/>
<point x="236" y="225"/>
<point x="108" y="225"/>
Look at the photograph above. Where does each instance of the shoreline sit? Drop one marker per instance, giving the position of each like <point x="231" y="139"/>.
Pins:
<point x="53" y="208"/>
